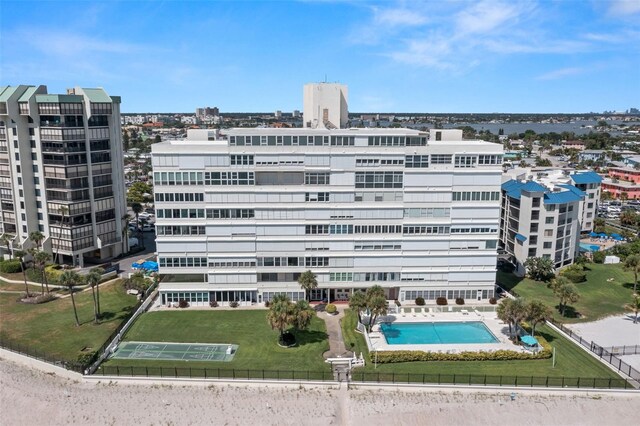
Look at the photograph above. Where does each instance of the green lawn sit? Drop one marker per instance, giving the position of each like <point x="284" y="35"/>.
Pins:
<point x="598" y="296"/>
<point x="258" y="348"/>
<point x="50" y="327"/>
<point x="571" y="361"/>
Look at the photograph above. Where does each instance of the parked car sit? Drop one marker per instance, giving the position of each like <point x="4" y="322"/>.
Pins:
<point x="148" y="227"/>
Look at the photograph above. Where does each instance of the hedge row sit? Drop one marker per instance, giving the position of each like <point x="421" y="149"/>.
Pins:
<point x="388" y="357"/>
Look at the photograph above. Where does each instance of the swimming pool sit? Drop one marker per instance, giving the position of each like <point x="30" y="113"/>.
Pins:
<point x="421" y="333"/>
<point x="589" y="247"/>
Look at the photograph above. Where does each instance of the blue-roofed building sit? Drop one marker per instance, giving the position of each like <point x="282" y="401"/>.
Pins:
<point x="541" y="217"/>
<point x="589" y="183"/>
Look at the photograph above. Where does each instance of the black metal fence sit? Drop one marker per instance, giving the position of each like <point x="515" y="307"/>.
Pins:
<point x="39" y="355"/>
<point x="606" y="354"/>
<point x="356" y="376"/>
<point x="624" y="350"/>
<point x="601" y="352"/>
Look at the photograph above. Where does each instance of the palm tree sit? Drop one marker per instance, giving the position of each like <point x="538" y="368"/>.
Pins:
<point x="125" y="230"/>
<point x="6" y="239"/>
<point x="566" y="292"/>
<point x="40" y="259"/>
<point x="302" y="316"/>
<point x="308" y="282"/>
<point x="376" y="304"/>
<point x="518" y="312"/>
<point x="62" y="210"/>
<point x="20" y="254"/>
<point x="93" y="279"/>
<point x="358" y="303"/>
<point x="504" y="313"/>
<point x="137" y="209"/>
<point x="71" y="279"/>
<point x="633" y="263"/>
<point x="281" y="313"/>
<point x="635" y="305"/>
<point x="37" y="237"/>
<point x="536" y="312"/>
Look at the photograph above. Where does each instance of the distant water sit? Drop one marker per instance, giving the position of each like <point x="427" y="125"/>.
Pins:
<point x="575" y="127"/>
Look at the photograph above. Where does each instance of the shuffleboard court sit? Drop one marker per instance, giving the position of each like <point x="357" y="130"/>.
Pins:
<point x="175" y="351"/>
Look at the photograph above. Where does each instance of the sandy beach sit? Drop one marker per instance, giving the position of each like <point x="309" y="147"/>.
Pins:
<point x="31" y="397"/>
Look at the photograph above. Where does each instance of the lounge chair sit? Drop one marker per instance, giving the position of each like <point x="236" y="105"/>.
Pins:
<point x="403" y="313"/>
<point x="413" y="311"/>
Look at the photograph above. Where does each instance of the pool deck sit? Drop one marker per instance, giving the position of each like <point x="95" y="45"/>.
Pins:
<point x="500" y="330"/>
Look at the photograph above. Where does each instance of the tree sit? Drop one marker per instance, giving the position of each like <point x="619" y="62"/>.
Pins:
<point x="543" y="162"/>
<point x="606" y="195"/>
<point x="539" y="268"/>
<point x="632" y="263"/>
<point x="62" y="210"/>
<point x="281" y="313"/>
<point x="139" y="192"/>
<point x="125" y="230"/>
<point x="358" y="302"/>
<point x="6" y="239"/>
<point x="518" y="312"/>
<point x="635" y="305"/>
<point x="624" y="196"/>
<point x="628" y="217"/>
<point x="536" y="312"/>
<point x="504" y="313"/>
<point x="71" y="279"/>
<point x="302" y="315"/>
<point x="564" y="290"/>
<point x="93" y="279"/>
<point x="37" y="237"/>
<point x="137" y="209"/>
<point x="40" y="260"/>
<point x="308" y="282"/>
<point x="20" y="255"/>
<point x="376" y="304"/>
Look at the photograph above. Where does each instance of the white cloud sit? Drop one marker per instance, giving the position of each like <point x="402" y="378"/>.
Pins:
<point x="398" y="17"/>
<point x="561" y="73"/>
<point x="624" y="7"/>
<point x="490" y="16"/>
<point x="70" y="44"/>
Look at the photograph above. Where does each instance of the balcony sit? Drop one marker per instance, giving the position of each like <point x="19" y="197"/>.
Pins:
<point x="67" y="162"/>
<point x="62" y="148"/>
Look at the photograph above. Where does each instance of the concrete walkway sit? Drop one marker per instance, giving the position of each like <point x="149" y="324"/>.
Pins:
<point x="334" y="331"/>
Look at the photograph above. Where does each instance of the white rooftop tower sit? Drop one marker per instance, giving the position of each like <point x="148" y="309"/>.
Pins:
<point x="325" y="105"/>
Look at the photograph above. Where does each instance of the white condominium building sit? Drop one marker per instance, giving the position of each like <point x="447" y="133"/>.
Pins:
<point x="61" y="172"/>
<point x="240" y="218"/>
<point x="542" y="215"/>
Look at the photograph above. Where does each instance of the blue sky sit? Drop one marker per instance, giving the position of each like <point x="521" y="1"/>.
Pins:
<point x="395" y="56"/>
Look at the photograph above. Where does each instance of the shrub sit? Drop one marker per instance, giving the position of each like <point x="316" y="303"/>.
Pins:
<point x="574" y="273"/>
<point x="420" y="301"/>
<point x="183" y="303"/>
<point x="85" y="359"/>
<point x="441" y="301"/>
<point x="213" y="304"/>
<point x="10" y="266"/>
<point x="459" y="301"/>
<point x="33" y="275"/>
<point x="397" y="302"/>
<point x="331" y="309"/>
<point x="598" y="257"/>
<point x="267" y="304"/>
<point x="233" y="304"/>
<point x="388" y="357"/>
<point x="493" y="301"/>
<point x="53" y="273"/>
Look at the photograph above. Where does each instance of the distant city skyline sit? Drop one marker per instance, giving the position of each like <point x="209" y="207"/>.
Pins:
<point x="395" y="56"/>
